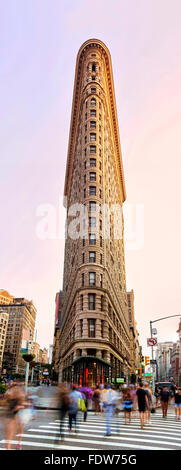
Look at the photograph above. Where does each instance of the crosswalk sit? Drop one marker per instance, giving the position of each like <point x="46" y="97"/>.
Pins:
<point x="162" y="434"/>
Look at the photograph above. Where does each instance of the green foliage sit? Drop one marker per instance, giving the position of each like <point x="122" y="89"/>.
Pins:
<point x="3" y="388"/>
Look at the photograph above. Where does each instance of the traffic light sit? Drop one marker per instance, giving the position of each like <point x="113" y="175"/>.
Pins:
<point x="142" y="360"/>
<point x="147" y="361"/>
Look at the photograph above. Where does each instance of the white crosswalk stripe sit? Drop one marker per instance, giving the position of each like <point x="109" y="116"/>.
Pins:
<point x="162" y="434"/>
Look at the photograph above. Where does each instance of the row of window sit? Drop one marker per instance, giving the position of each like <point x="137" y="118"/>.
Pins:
<point x="92" y="240"/>
<point x="93" y="163"/>
<point x="92" y="257"/>
<point x="93" y="113"/>
<point x="92" y="301"/>
<point x="91" y="328"/>
<point x="92" y="177"/>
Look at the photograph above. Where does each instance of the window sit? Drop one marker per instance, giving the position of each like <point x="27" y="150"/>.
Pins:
<point x="82" y="279"/>
<point x="100" y="179"/>
<point x="92" y="176"/>
<point x="93" y="67"/>
<point x="92" y="279"/>
<point x="100" y="224"/>
<point x="93" y="102"/>
<point x="83" y="258"/>
<point x="93" y="112"/>
<point x="101" y="258"/>
<point x="91" y="328"/>
<point x="92" y="148"/>
<point x="92" y="222"/>
<point x="101" y="280"/>
<point x="85" y="165"/>
<point x="92" y="301"/>
<point x="102" y="303"/>
<point x="92" y="238"/>
<point x="92" y="206"/>
<point x="93" y="78"/>
<point x="100" y="166"/>
<point x="84" y="179"/>
<point x="83" y="240"/>
<point x="100" y="193"/>
<point x="81" y="302"/>
<point x="81" y="327"/>
<point x="92" y="161"/>
<point x="85" y="139"/>
<point x="92" y="137"/>
<point x="86" y="128"/>
<point x="93" y="124"/>
<point x="102" y="328"/>
<point x="92" y="190"/>
<point x="92" y="256"/>
<point x="93" y="90"/>
<point x="101" y="242"/>
<point x="86" y="116"/>
<point x="85" y="192"/>
<point x="85" y="152"/>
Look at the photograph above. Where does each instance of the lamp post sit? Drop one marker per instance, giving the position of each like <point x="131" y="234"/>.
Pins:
<point x="151" y="331"/>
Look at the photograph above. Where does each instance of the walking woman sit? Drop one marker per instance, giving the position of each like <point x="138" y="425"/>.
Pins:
<point x="177" y="396"/>
<point x="128" y="404"/>
<point x="15" y="400"/>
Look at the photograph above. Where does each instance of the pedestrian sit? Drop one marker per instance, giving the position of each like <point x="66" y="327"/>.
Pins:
<point x="134" y="400"/>
<point x="164" y="398"/>
<point x="150" y="403"/>
<point x="14" y="403"/>
<point x="177" y="397"/>
<point x="157" y="394"/>
<point x="63" y="406"/>
<point x="128" y="404"/>
<point x="74" y="396"/>
<point x="109" y="403"/>
<point x="96" y="397"/>
<point x="142" y="401"/>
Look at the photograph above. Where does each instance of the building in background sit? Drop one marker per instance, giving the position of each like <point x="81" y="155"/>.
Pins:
<point x="175" y="362"/>
<point x="163" y="358"/>
<point x="56" y="339"/>
<point x="50" y="353"/>
<point x="179" y="340"/>
<point x="21" y="325"/>
<point x="4" y="317"/>
<point x="94" y="332"/>
<point x="36" y="351"/>
<point x="5" y="297"/>
<point x="134" y="340"/>
<point x="43" y="356"/>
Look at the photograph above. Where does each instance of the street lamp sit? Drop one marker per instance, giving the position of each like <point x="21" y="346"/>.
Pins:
<point x="151" y="331"/>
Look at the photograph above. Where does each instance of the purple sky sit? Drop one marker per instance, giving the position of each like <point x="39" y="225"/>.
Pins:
<point x="39" y="42"/>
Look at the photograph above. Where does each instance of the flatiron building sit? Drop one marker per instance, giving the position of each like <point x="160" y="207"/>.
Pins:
<point x="94" y="330"/>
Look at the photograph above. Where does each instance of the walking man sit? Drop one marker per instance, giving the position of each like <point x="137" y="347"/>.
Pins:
<point x="142" y="403"/>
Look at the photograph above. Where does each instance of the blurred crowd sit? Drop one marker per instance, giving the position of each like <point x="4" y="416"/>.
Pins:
<point x="73" y="403"/>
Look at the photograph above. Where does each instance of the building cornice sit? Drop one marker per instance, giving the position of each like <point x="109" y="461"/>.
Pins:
<point x="94" y="43"/>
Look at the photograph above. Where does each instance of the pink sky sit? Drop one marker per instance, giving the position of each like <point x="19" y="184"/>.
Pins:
<point x="39" y="43"/>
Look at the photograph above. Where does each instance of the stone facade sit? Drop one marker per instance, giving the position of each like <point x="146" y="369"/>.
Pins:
<point x="94" y="332"/>
<point x="21" y="325"/>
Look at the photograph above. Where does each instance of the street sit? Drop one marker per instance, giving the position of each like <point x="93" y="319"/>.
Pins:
<point x="43" y="433"/>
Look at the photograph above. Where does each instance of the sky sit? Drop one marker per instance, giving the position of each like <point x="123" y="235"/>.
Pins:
<point x="39" y="41"/>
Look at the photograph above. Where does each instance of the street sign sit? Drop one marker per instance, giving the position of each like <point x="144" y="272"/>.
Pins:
<point x="153" y="361"/>
<point x="151" y="341"/>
